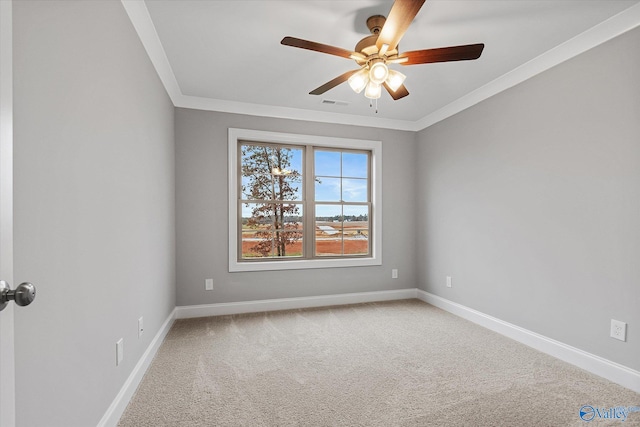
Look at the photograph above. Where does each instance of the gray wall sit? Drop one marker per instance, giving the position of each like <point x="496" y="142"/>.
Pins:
<point x="202" y="214"/>
<point x="94" y="206"/>
<point x="531" y="202"/>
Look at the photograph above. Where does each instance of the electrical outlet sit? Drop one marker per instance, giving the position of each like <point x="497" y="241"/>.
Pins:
<point x="394" y="273"/>
<point x="119" y="351"/>
<point x="140" y="326"/>
<point x="208" y="284"/>
<point x="448" y="281"/>
<point x="618" y="330"/>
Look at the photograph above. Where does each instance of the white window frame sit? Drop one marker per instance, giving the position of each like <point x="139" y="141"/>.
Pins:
<point x="237" y="135"/>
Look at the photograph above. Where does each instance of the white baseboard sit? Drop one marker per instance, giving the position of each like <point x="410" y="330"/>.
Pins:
<point x="188" y="311"/>
<point x="119" y="404"/>
<point x="597" y="365"/>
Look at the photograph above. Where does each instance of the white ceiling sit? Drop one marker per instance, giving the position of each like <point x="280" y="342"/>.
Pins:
<point x="227" y="56"/>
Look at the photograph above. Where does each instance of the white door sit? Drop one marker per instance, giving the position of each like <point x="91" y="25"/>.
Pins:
<point x="7" y="366"/>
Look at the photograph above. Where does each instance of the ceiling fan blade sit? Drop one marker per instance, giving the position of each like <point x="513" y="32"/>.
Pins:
<point x="400" y="93"/>
<point x="443" y="54"/>
<point x="319" y="47"/>
<point x="333" y="83"/>
<point x="400" y="17"/>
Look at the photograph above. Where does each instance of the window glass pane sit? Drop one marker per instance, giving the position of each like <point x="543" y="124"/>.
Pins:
<point x="271" y="172"/>
<point x="327" y="189"/>
<point x="328" y="229"/>
<point x="341" y="177"/>
<point x="356" y="241"/>
<point x="295" y="160"/>
<point x="327" y="163"/>
<point x="257" y="187"/>
<point x="289" y="243"/>
<point x="354" y="190"/>
<point x="255" y="160"/>
<point x="288" y="216"/>
<point x="245" y="213"/>
<point x="257" y="215"/>
<point x="271" y="215"/>
<point x="328" y="246"/>
<point x="272" y="230"/>
<point x="287" y="187"/>
<point x="356" y="230"/>
<point x="328" y="213"/>
<point x="257" y="243"/>
<point x="356" y="212"/>
<point x="355" y="165"/>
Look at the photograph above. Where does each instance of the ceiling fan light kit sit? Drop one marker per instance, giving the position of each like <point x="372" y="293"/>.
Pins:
<point x="374" y="52"/>
<point x="359" y="80"/>
<point x="395" y="79"/>
<point x="374" y="75"/>
<point x="378" y="71"/>
<point x="373" y="90"/>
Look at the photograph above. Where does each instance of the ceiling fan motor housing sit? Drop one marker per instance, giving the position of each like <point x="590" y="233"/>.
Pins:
<point x="367" y="46"/>
<point x="375" y="23"/>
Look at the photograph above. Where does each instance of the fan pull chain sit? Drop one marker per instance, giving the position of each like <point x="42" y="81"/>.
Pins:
<point x="371" y="104"/>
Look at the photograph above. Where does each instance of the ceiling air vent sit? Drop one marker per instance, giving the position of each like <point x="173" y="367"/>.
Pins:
<point x="334" y="102"/>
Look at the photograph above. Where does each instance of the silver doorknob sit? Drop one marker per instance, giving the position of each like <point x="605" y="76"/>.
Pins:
<point x="23" y="294"/>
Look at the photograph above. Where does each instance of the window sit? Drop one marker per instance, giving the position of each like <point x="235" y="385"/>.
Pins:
<point x="271" y="203"/>
<point x="299" y="201"/>
<point x="341" y="201"/>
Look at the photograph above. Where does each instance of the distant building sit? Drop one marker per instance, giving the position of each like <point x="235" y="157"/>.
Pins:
<point x="327" y="229"/>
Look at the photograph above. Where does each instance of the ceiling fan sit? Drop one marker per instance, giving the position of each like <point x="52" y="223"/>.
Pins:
<point x="374" y="52"/>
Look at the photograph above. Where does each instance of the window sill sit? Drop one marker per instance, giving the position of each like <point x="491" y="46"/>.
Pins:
<point x="235" y="266"/>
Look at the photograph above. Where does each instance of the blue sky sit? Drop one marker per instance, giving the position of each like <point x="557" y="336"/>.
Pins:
<point x="352" y="187"/>
<point x="354" y="165"/>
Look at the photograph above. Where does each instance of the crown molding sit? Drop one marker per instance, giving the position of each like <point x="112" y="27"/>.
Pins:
<point x="606" y="30"/>
<point x="141" y="20"/>
<point x="209" y="104"/>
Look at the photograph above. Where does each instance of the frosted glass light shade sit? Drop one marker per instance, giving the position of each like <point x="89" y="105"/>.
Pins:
<point x="359" y="80"/>
<point x="395" y="79"/>
<point x="378" y="72"/>
<point x="373" y="90"/>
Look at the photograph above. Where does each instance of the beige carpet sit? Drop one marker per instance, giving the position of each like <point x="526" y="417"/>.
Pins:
<point x="401" y="363"/>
